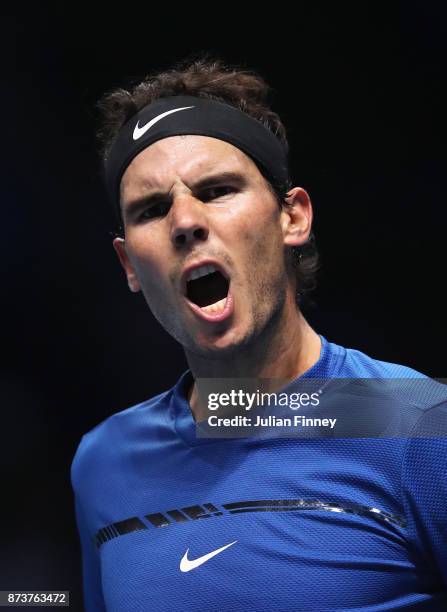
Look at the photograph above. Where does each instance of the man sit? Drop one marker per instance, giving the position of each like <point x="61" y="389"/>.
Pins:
<point x="220" y="243"/>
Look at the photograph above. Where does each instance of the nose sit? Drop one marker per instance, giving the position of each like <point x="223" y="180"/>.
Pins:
<point x="188" y="221"/>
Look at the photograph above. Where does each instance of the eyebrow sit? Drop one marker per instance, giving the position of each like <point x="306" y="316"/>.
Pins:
<point x="211" y="180"/>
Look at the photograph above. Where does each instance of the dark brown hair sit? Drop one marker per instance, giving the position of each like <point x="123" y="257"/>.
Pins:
<point x="209" y="78"/>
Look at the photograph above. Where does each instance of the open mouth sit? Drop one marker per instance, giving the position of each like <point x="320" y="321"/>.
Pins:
<point x="208" y="288"/>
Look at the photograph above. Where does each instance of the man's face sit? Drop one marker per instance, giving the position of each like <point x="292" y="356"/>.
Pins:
<point x="192" y="216"/>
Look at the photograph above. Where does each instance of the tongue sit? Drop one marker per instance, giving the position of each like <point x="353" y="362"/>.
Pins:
<point x="216" y="307"/>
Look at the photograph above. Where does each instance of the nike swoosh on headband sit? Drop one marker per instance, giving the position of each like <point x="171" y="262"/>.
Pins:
<point x="186" y="565"/>
<point x="139" y="131"/>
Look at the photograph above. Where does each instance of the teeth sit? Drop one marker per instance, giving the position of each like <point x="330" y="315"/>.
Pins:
<point x="201" y="271"/>
<point x="216" y="307"/>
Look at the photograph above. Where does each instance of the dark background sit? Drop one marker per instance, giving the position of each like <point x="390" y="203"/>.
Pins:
<point x="358" y="88"/>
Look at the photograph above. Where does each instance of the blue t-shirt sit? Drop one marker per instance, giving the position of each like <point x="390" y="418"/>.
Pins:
<point x="169" y="521"/>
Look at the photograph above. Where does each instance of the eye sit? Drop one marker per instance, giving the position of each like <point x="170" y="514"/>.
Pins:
<point x="216" y="192"/>
<point x="156" y="210"/>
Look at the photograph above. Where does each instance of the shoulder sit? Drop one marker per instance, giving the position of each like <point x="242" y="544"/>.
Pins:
<point x="358" y="363"/>
<point x="101" y="444"/>
<point x="407" y="392"/>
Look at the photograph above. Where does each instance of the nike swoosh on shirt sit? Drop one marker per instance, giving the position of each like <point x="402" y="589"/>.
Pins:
<point x="186" y="565"/>
<point x="139" y="131"/>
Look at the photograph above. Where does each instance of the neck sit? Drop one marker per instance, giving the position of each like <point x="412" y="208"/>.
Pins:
<point x="287" y="349"/>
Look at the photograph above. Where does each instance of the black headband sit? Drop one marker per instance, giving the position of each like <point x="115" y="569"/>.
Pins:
<point x="200" y="116"/>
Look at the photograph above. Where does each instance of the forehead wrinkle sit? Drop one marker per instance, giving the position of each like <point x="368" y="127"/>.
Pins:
<point x="162" y="178"/>
<point x="189" y="160"/>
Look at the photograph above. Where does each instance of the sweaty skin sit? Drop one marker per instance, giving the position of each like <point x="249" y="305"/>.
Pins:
<point x="236" y="223"/>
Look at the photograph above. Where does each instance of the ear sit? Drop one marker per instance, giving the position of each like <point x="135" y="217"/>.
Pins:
<point x="296" y="217"/>
<point x="120" y="247"/>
